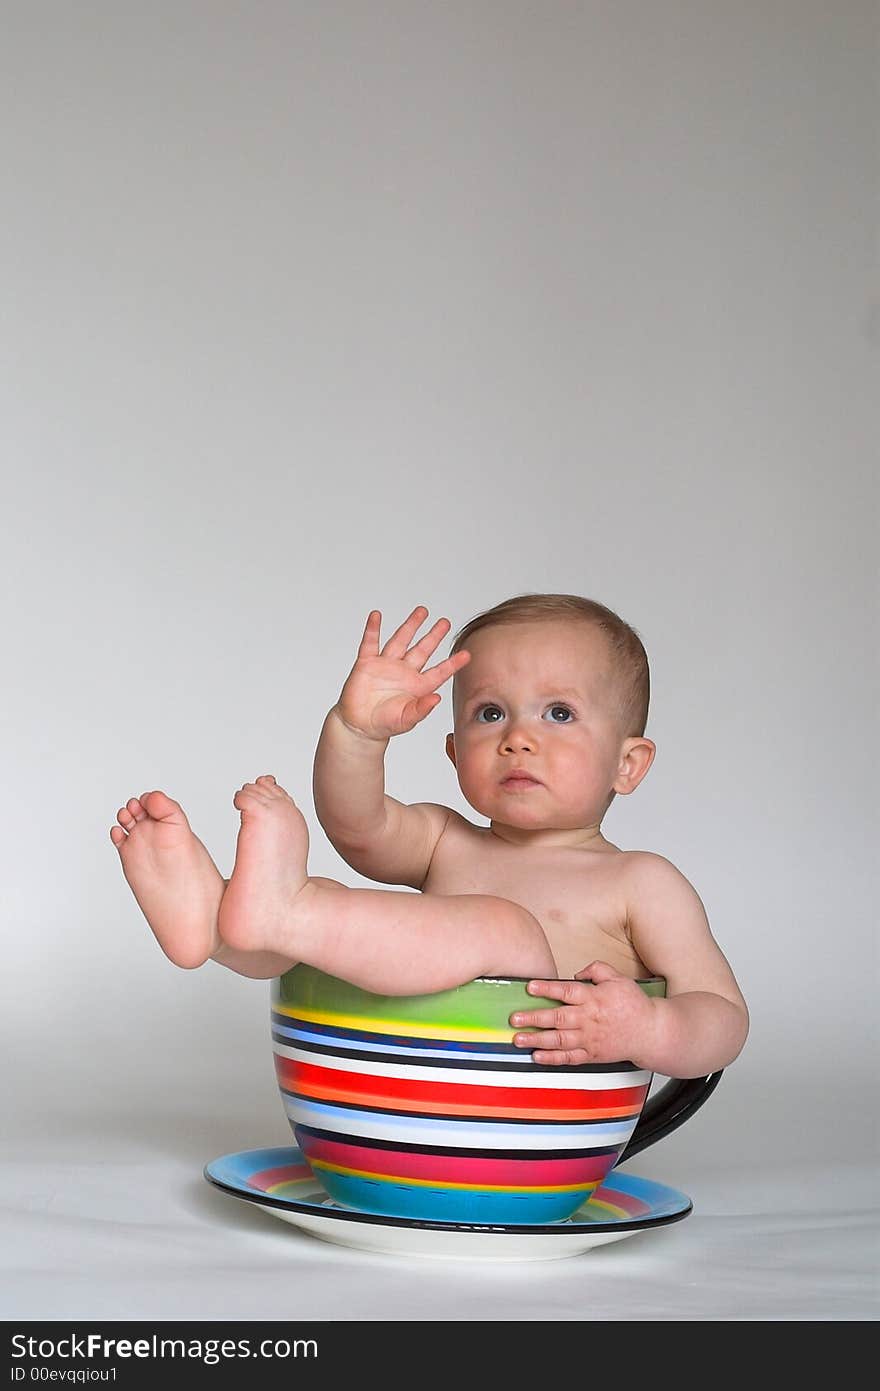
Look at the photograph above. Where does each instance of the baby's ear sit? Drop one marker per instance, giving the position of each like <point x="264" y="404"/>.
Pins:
<point x="450" y="749"/>
<point x="637" y="755"/>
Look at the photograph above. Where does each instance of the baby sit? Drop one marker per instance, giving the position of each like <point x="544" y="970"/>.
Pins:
<point x="550" y="700"/>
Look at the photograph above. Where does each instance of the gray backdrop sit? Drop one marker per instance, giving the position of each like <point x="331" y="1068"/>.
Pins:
<point x="309" y="309"/>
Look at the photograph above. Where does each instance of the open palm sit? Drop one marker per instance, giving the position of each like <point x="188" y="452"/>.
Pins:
<point x="388" y="691"/>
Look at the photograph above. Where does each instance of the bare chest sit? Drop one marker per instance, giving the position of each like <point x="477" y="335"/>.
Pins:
<point x="576" y="895"/>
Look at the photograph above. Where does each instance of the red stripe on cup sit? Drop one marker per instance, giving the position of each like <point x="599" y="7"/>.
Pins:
<point x="399" y="1093"/>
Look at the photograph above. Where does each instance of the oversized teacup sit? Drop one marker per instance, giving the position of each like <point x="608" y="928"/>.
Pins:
<point x="422" y="1107"/>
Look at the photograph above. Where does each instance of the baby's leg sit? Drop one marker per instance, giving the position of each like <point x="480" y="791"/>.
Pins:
<point x="390" y="942"/>
<point x="178" y="886"/>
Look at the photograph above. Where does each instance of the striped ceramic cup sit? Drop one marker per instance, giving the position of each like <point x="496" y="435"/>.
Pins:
<point x="422" y="1107"/>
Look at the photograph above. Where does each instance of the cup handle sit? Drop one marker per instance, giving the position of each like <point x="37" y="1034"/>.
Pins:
<point x="669" y="1108"/>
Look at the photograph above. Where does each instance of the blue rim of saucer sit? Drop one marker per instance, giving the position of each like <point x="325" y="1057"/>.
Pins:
<point x="231" y="1173"/>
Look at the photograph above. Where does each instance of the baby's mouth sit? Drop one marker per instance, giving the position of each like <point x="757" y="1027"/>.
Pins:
<point x="519" y="782"/>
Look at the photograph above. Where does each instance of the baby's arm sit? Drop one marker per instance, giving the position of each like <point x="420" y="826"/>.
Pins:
<point x="386" y="693"/>
<point x="697" y="1029"/>
<point x="703" y="1022"/>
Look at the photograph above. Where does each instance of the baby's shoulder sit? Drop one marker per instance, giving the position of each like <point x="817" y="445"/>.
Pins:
<point x="646" y="873"/>
<point x="646" y="861"/>
<point x="458" y="831"/>
<point x="450" y="830"/>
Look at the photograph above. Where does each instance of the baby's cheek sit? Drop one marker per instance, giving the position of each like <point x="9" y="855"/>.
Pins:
<point x="475" y="784"/>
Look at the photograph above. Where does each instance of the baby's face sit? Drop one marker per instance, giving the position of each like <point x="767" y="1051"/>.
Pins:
<point x="537" y="745"/>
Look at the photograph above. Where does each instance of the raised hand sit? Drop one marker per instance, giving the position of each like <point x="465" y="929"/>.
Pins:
<point x="388" y="691"/>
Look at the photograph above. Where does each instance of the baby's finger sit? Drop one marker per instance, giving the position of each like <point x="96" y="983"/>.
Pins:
<point x="571" y="992"/>
<point x="443" y="670"/>
<point x="422" y="650"/>
<point x="561" y="1057"/>
<point x="540" y="1018"/>
<point x="599" y="971"/>
<point x="417" y="710"/>
<point x="545" y="1038"/>
<point x="402" y="637"/>
<point x="370" y="641"/>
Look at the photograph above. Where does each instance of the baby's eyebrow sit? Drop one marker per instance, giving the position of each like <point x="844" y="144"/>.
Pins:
<point x="480" y="690"/>
<point x="567" y="693"/>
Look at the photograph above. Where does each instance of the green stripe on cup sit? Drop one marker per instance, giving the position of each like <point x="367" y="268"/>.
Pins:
<point x="485" y="1003"/>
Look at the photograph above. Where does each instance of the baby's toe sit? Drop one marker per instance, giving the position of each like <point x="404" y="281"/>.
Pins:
<point x="135" y="809"/>
<point x="270" y="785"/>
<point x="117" y="836"/>
<point x="258" y="789"/>
<point x="161" y="807"/>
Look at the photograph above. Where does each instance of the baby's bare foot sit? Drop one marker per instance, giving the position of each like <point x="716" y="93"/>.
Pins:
<point x="172" y="876"/>
<point x="264" y="906"/>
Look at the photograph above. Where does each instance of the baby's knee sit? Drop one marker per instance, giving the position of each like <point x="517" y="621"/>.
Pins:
<point x="526" y="949"/>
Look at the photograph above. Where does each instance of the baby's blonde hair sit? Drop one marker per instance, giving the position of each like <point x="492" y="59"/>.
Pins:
<point x="629" y="661"/>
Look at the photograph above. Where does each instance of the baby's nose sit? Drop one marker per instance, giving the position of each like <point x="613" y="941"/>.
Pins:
<point x="517" y="740"/>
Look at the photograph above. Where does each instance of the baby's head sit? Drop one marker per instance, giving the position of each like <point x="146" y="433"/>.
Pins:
<point x="550" y="712"/>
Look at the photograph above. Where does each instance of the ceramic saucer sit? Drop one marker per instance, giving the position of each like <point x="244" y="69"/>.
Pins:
<point x="280" y="1181"/>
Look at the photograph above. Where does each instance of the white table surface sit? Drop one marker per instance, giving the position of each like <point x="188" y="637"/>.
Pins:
<point x="103" y="1225"/>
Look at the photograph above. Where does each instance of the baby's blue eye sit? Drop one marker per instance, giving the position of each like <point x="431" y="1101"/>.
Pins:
<point x="559" y="714"/>
<point x="489" y="714"/>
